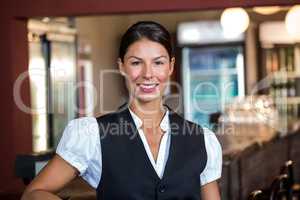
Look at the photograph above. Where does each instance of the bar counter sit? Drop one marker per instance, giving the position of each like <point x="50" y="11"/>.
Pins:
<point x="256" y="166"/>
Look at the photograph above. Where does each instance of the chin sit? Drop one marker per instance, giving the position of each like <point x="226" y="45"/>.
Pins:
<point x="148" y="97"/>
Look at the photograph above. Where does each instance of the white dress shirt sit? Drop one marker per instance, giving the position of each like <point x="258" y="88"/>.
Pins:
<point x="80" y="146"/>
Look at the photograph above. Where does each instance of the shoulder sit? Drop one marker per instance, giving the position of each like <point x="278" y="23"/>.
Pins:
<point x="199" y="133"/>
<point x="81" y="125"/>
<point x="191" y="133"/>
<point x="212" y="146"/>
<point x="108" y="117"/>
<point x="82" y="120"/>
<point x="211" y="139"/>
<point x="79" y="142"/>
<point x="213" y="167"/>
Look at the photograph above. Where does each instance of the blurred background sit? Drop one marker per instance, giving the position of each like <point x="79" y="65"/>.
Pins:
<point x="237" y="73"/>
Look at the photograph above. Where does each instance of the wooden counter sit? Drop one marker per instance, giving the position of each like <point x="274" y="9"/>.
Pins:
<point x="256" y="166"/>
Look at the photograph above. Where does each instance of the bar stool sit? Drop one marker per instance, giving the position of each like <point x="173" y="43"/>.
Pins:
<point x="288" y="169"/>
<point x="256" y="195"/>
<point x="280" y="188"/>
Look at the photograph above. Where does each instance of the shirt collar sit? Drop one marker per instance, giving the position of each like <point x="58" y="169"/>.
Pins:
<point x="164" y="124"/>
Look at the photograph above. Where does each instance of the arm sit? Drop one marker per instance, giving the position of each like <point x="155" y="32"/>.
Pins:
<point x="213" y="169"/>
<point x="78" y="144"/>
<point x="53" y="177"/>
<point x="210" y="191"/>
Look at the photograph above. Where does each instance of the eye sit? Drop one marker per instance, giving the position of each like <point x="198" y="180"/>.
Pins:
<point x="159" y="63"/>
<point x="135" y="63"/>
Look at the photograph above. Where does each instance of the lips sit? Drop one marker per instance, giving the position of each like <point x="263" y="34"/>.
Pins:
<point x="147" y="87"/>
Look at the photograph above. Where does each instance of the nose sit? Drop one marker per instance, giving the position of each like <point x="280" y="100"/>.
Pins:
<point x="147" y="71"/>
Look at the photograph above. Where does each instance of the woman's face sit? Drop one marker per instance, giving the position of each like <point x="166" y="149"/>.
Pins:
<point x="147" y="67"/>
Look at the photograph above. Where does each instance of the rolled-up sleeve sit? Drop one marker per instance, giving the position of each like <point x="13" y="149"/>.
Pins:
<point x="213" y="168"/>
<point x="78" y="143"/>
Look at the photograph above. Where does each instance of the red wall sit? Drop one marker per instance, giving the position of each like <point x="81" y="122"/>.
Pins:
<point x="89" y="7"/>
<point x="15" y="126"/>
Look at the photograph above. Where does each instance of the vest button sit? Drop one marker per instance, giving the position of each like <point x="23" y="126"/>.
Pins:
<point x="162" y="188"/>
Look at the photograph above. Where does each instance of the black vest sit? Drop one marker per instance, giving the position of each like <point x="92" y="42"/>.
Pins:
<point x="127" y="173"/>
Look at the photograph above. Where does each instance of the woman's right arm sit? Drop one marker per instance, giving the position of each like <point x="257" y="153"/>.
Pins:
<point x="53" y="177"/>
<point x="78" y="146"/>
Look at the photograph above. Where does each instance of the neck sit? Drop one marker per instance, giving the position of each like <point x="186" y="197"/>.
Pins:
<point x="153" y="110"/>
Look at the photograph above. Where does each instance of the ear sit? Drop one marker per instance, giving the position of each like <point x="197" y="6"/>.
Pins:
<point x="121" y="67"/>
<point x="172" y="63"/>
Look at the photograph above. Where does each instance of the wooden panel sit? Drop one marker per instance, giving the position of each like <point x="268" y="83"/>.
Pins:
<point x="295" y="154"/>
<point x="33" y="8"/>
<point x="230" y="181"/>
<point x="259" y="166"/>
<point x="224" y="181"/>
<point x="234" y="192"/>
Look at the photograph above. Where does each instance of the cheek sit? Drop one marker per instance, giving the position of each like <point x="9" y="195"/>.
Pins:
<point x="162" y="75"/>
<point x="133" y="74"/>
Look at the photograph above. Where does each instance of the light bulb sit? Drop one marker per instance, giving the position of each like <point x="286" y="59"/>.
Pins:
<point x="234" y="21"/>
<point x="267" y="10"/>
<point x="292" y="21"/>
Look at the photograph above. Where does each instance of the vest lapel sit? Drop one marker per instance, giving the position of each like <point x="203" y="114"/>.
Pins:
<point x="127" y="120"/>
<point x="176" y="125"/>
<point x="175" y="151"/>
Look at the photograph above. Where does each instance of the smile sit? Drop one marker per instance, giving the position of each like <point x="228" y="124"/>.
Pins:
<point x="148" y="87"/>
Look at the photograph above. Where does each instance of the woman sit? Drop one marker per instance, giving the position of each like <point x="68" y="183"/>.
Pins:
<point x="144" y="150"/>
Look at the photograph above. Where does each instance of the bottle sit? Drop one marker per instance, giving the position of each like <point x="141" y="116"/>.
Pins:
<point x="290" y="59"/>
<point x="295" y="111"/>
<point x="282" y="59"/>
<point x="291" y="90"/>
<point x="275" y="63"/>
<point x="284" y="88"/>
<point x="272" y="88"/>
<point x="277" y="88"/>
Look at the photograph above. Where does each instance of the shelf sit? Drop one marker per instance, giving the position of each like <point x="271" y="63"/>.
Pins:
<point x="285" y="75"/>
<point x="287" y="100"/>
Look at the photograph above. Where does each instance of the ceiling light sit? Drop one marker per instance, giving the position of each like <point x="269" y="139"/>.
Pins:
<point x="267" y="10"/>
<point x="234" y="21"/>
<point x="292" y="21"/>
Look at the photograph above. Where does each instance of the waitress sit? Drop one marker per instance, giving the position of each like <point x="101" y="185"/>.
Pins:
<point x="144" y="150"/>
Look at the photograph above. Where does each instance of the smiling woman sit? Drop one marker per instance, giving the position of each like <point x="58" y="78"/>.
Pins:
<point x="146" y="57"/>
<point x="148" y="66"/>
<point x="144" y="150"/>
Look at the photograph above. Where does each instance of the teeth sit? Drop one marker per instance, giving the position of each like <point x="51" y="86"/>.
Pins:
<point x="148" y="86"/>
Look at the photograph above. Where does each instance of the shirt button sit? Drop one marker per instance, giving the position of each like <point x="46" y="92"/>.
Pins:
<point x="162" y="188"/>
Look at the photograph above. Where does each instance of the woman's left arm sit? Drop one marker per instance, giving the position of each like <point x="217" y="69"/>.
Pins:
<point x="213" y="169"/>
<point x="210" y="191"/>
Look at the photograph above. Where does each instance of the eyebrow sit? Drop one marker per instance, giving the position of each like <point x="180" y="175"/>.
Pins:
<point x="134" y="57"/>
<point x="160" y="57"/>
<point x="142" y="59"/>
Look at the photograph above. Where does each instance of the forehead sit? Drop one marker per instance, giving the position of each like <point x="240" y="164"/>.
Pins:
<point x="145" y="48"/>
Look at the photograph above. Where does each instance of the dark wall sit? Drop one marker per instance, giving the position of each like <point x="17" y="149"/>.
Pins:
<point x="15" y="126"/>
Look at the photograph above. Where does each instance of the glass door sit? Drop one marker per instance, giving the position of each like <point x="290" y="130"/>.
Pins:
<point x="60" y="53"/>
<point x="212" y="77"/>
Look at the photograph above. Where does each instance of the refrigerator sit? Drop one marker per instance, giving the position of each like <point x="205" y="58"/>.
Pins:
<point x="52" y="75"/>
<point x="60" y="55"/>
<point x="212" y="71"/>
<point x="53" y="78"/>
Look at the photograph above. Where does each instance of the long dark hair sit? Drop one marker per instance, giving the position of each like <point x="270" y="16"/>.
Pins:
<point x="146" y="29"/>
